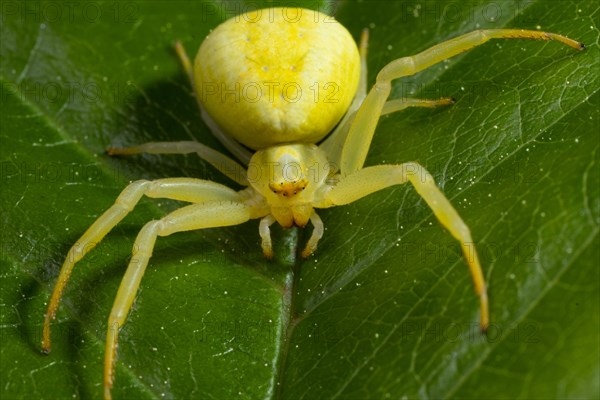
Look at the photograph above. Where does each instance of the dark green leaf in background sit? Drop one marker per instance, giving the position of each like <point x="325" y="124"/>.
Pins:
<point x="385" y="308"/>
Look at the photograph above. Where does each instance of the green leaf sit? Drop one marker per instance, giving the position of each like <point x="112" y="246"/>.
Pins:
<point x="385" y="308"/>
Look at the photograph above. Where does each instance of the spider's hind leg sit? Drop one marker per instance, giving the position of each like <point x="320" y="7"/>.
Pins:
<point x="221" y="162"/>
<point x="185" y="61"/>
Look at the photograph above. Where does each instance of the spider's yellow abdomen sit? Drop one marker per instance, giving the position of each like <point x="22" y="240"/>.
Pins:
<point x="277" y="75"/>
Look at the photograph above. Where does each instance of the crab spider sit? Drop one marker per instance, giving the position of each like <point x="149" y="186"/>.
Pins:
<point x="288" y="176"/>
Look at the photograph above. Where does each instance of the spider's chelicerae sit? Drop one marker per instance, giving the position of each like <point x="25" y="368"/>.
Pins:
<point x="278" y="86"/>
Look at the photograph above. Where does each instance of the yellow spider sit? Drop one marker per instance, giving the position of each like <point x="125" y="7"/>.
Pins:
<point x="278" y="81"/>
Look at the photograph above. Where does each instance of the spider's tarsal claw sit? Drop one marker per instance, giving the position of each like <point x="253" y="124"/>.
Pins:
<point x="444" y="101"/>
<point x="268" y="252"/>
<point x="317" y="234"/>
<point x="118" y="151"/>
<point x="112" y="151"/>
<point x="46" y="346"/>
<point x="308" y="251"/>
<point x="484" y="324"/>
<point x="484" y="319"/>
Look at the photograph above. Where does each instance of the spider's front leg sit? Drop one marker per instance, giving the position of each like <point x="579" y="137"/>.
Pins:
<point x="184" y="189"/>
<point x="217" y="205"/>
<point x="369" y="180"/>
<point x="196" y="216"/>
<point x="361" y="132"/>
<point x="356" y="182"/>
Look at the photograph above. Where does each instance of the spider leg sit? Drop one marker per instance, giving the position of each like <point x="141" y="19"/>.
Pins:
<point x="316" y="235"/>
<point x="221" y="162"/>
<point x="396" y="105"/>
<point x="333" y="144"/>
<point x="369" y="180"/>
<point x="184" y="189"/>
<point x="361" y="132"/>
<point x="185" y="62"/>
<point x="363" y="47"/>
<point x="265" y="235"/>
<point x="239" y="151"/>
<point x="192" y="217"/>
<point x="335" y="147"/>
<point x="311" y="245"/>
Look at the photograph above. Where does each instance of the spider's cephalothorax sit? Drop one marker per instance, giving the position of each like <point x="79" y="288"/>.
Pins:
<point x="278" y="86"/>
<point x="291" y="179"/>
